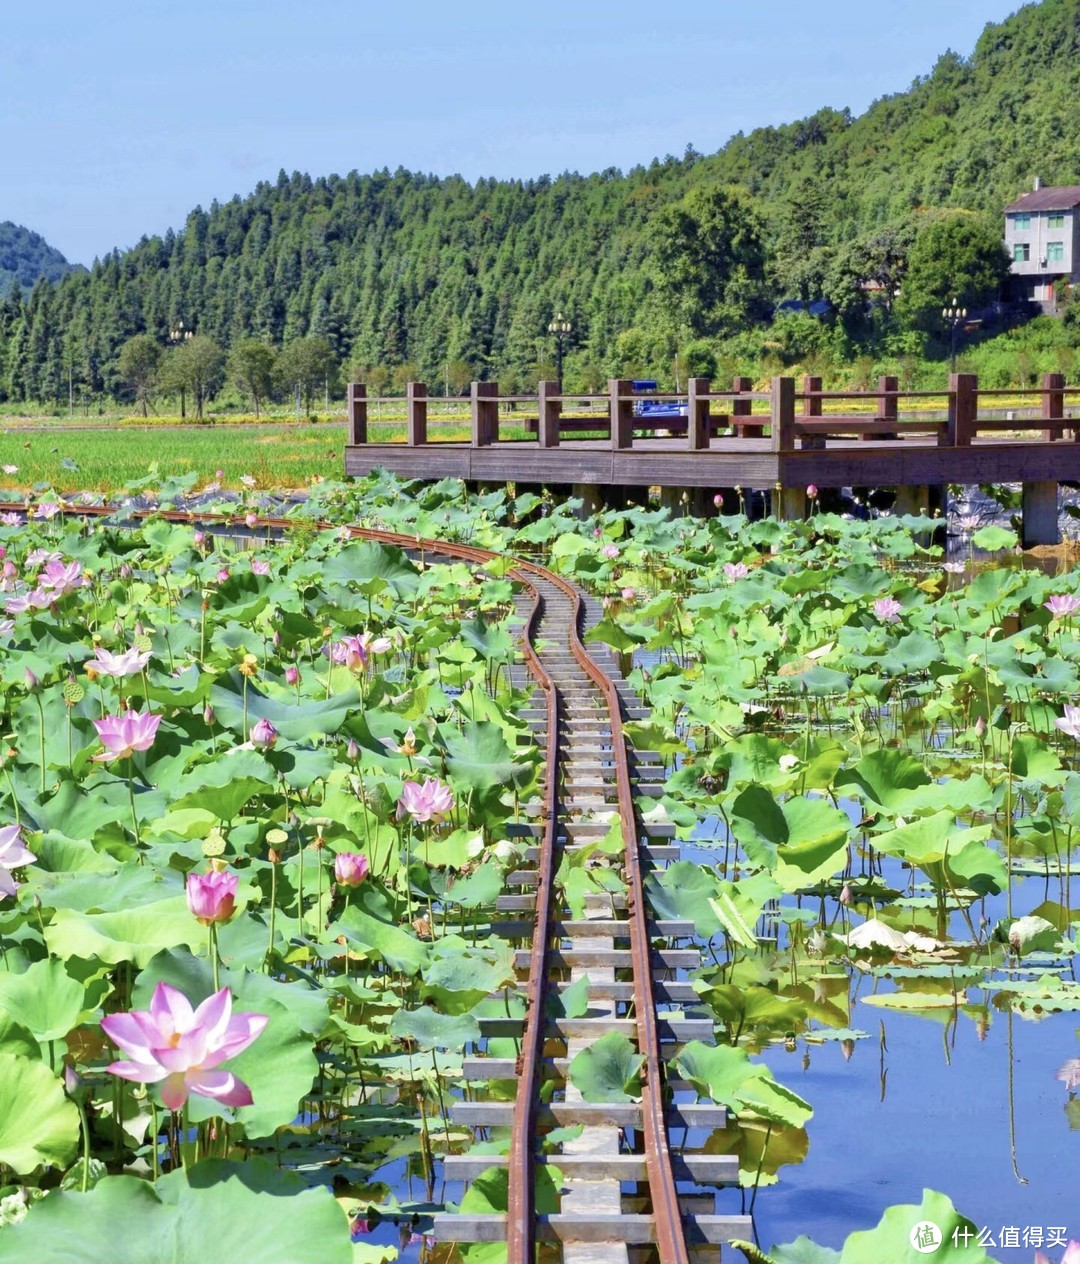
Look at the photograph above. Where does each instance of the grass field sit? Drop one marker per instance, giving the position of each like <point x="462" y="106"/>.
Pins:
<point x="275" y="455"/>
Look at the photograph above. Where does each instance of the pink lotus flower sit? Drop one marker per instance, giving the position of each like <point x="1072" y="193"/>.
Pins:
<point x="47" y="509"/>
<point x="10" y="570"/>
<point x="123" y="735"/>
<point x="38" y="557"/>
<point x="968" y="523"/>
<point x="180" y="1048"/>
<point x="428" y="802"/>
<point x="1069" y="1074"/>
<point x="10" y="520"/>
<point x="292" y="675"/>
<point x="199" y="539"/>
<point x="39" y="599"/>
<point x="628" y="594"/>
<point x="375" y="644"/>
<point x="13" y="854"/>
<point x="350" y="868"/>
<point x="246" y="479"/>
<point x="263" y="734"/>
<point x="1063" y="605"/>
<point x="1070" y="722"/>
<point x="5" y="626"/>
<point x="887" y="609"/>
<point x="718" y="501"/>
<point x="610" y="551"/>
<point x="251" y="520"/>
<point x="212" y="896"/>
<point x="350" y="652"/>
<point x="259" y="567"/>
<point x="129" y="663"/>
<point x="736" y="570"/>
<point x="222" y="575"/>
<point x="61" y="578"/>
<point x="954" y="568"/>
<point x="812" y="491"/>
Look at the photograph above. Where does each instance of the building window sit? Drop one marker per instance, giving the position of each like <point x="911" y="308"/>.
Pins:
<point x="1056" y="220"/>
<point x="1055" y="251"/>
<point x="1021" y="252"/>
<point x="1022" y="223"/>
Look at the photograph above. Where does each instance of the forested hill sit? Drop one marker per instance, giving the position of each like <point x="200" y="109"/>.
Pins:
<point x="406" y="268"/>
<point x="25" y="256"/>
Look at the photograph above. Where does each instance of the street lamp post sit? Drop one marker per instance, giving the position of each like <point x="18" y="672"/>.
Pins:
<point x="560" y="329"/>
<point x="955" y="315"/>
<point x="178" y="336"/>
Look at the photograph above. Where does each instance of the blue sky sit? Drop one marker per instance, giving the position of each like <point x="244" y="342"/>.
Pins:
<point x="116" y="118"/>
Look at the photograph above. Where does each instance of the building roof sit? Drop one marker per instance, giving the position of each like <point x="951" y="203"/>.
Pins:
<point x="1060" y="197"/>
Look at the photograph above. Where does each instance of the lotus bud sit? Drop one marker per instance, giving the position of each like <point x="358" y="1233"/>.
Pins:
<point x="274" y="856"/>
<point x="208" y="715"/>
<point x="292" y="674"/>
<point x="350" y="868"/>
<point x="811" y="491"/>
<point x="72" y="1080"/>
<point x="211" y="896"/>
<point x="352" y="751"/>
<point x="275" y="640"/>
<point x="251" y="520"/>
<point x="847" y="1048"/>
<point x="199" y="539"/>
<point x="10" y="570"/>
<point x="263" y="734"/>
<point x="845" y="894"/>
<point x="32" y="682"/>
<point x="125" y="571"/>
<point x="718" y="501"/>
<point x="980" y="727"/>
<point x="222" y="575"/>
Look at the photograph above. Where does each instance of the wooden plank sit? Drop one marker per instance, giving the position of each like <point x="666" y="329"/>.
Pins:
<point x="416" y="412"/>
<point x="608" y="1114"/>
<point x="677" y="1029"/>
<point x="617" y="958"/>
<point x="705" y="1169"/>
<point x="631" y="1228"/>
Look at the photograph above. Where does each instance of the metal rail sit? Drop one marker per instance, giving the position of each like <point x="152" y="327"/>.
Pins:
<point x="521" y="1221"/>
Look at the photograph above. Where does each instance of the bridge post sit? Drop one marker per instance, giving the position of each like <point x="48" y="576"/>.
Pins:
<point x="811" y="408"/>
<point x="743" y="408"/>
<point x="485" y="413"/>
<point x="1053" y="402"/>
<point x="963" y="408"/>
<point x="416" y="413"/>
<point x="888" y="404"/>
<point x="356" y="407"/>
<point x="782" y="414"/>
<point x="1039" y="510"/>
<point x="622" y="413"/>
<point x="550" y="410"/>
<point x="697" y="413"/>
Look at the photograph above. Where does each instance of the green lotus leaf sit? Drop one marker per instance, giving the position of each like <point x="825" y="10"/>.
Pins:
<point x="803" y="840"/>
<point x="361" y="562"/>
<point x="125" y="935"/>
<point x="371" y="921"/>
<point x="682" y="892"/>
<point x="217" y="1211"/>
<point x="296" y="722"/>
<point x="431" y="1030"/>
<point x="37" y="1122"/>
<point x="609" y="1070"/>
<point x="803" y="1251"/>
<point x="725" y="1074"/>
<point x="885" y="778"/>
<point x="993" y="538"/>
<point x="479" y="756"/>
<point x="892" y="1239"/>
<point x="225" y="785"/>
<point x="46" y="1000"/>
<point x="458" y="977"/>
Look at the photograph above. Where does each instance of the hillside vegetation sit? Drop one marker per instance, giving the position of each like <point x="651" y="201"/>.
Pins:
<point x="27" y="256"/>
<point x="690" y="255"/>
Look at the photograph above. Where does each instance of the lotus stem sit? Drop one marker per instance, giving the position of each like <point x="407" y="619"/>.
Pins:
<point x="131" y="797"/>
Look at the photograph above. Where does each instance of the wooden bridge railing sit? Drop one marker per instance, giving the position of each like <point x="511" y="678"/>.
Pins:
<point x="794" y="418"/>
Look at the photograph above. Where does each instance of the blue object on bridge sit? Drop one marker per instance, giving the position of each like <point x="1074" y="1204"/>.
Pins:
<point x="657" y="407"/>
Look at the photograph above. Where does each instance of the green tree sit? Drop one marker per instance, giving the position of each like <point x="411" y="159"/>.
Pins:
<point x="459" y="374"/>
<point x="198" y="366"/>
<point x="139" y="365"/>
<point x="709" y="261"/>
<point x="251" y="367"/>
<point x="958" y="256"/>
<point x="304" y="365"/>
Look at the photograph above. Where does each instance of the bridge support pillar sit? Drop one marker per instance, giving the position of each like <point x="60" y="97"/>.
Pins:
<point x="789" y="503"/>
<point x="592" y="500"/>
<point x="912" y="500"/>
<point x="1040" y="514"/>
<point x="675" y="500"/>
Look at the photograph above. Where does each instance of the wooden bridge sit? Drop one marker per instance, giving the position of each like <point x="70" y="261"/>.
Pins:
<point x="781" y="441"/>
